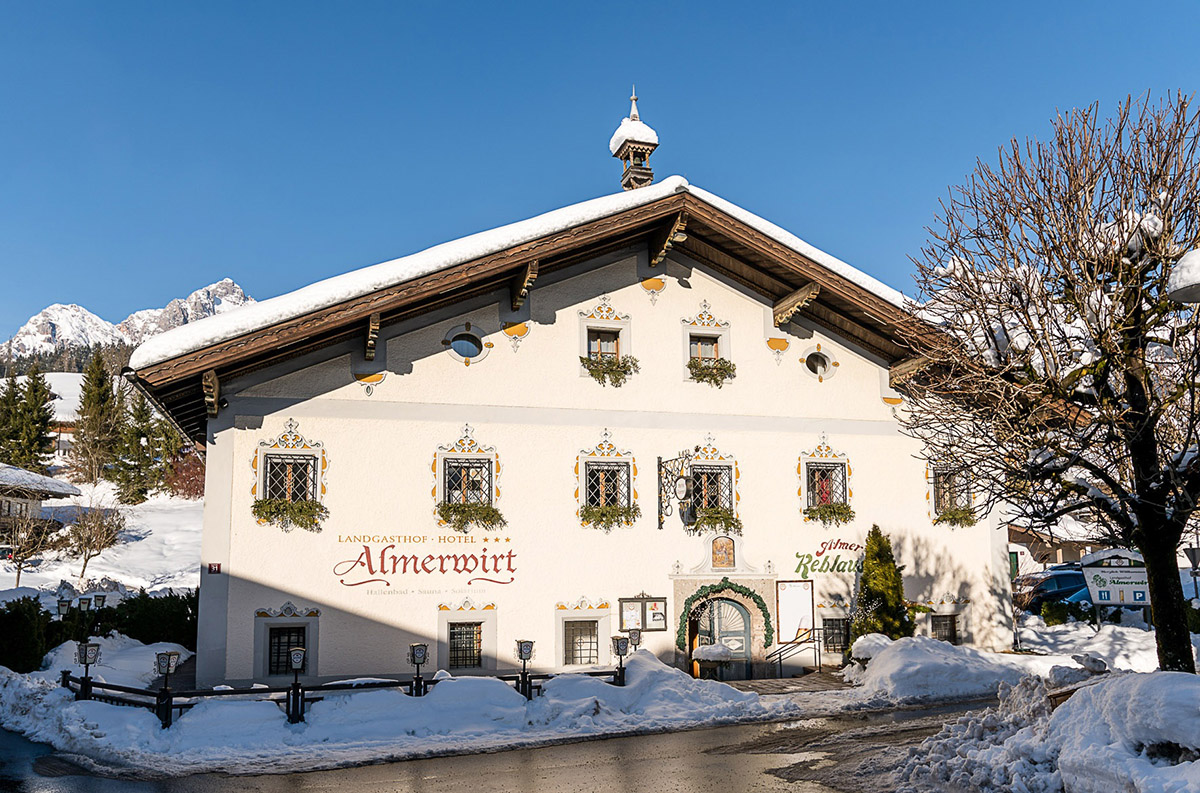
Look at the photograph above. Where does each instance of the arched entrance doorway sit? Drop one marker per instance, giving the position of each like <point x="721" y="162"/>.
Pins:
<point x="721" y="621"/>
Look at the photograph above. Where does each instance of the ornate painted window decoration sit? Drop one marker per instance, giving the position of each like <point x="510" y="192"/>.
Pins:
<point x="606" y="485"/>
<point x="466" y="485"/>
<point x="583" y="604"/>
<point x="370" y="381"/>
<point x="825" y="485"/>
<point x="466" y="604"/>
<point x="949" y="497"/>
<point x="819" y="362"/>
<point x="516" y="332"/>
<point x="288" y="609"/>
<point x="653" y="287"/>
<point x="778" y="346"/>
<point x="289" y="480"/>
<point x="606" y="345"/>
<point x="466" y="344"/>
<point x="706" y="348"/>
<point x="715" y="493"/>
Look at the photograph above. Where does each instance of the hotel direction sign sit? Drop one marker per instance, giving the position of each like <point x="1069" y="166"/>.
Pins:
<point x="1116" y="578"/>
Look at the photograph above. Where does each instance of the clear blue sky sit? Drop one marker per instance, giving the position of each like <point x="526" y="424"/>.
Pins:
<point x="147" y="149"/>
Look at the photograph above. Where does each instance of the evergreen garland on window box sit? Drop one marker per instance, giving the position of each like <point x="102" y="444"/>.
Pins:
<point x="462" y="517"/>
<point x="609" y="369"/>
<point x="960" y="517"/>
<point x="718" y="519"/>
<point x="286" y="514"/>
<point x="714" y="372"/>
<point x="609" y="517"/>
<point x="835" y="513"/>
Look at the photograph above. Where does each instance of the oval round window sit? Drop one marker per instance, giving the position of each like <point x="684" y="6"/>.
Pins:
<point x="468" y="345"/>
<point x="817" y="363"/>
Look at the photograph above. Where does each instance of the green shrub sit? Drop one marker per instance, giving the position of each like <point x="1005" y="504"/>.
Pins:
<point x="960" y="517"/>
<point x="834" y="514"/>
<point x="161" y="618"/>
<point x="718" y="519"/>
<point x="609" y="517"/>
<point x="24" y="624"/>
<point x="462" y="517"/>
<point x="610" y="370"/>
<point x="714" y="372"/>
<point x="285" y="514"/>
<point x="880" y="606"/>
<point x="1061" y="612"/>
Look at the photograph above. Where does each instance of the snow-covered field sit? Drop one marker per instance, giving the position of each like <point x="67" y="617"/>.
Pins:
<point x="160" y="549"/>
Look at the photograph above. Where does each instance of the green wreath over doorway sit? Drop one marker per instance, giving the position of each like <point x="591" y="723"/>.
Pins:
<point x="725" y="585"/>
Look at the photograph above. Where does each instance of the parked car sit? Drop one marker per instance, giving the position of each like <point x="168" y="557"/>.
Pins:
<point x="1050" y="586"/>
<point x="6" y="553"/>
<point x="1085" y="598"/>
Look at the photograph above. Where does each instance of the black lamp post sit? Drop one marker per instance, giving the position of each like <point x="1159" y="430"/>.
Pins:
<point x="86" y="655"/>
<point x="418" y="654"/>
<point x="295" y="697"/>
<point x="64" y="605"/>
<point x="620" y="645"/>
<point x="635" y="638"/>
<point x="100" y="600"/>
<point x="524" y="655"/>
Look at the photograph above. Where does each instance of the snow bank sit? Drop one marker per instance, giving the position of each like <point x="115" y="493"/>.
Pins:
<point x="123" y="661"/>
<point x="1135" y="732"/>
<point x="920" y="668"/>
<point x="460" y="714"/>
<point x="866" y="647"/>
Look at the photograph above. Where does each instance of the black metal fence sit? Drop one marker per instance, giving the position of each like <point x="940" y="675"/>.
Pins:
<point x="167" y="704"/>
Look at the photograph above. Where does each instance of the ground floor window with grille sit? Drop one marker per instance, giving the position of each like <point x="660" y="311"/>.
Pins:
<point x="466" y="481"/>
<point x="581" y="642"/>
<point x="836" y="632"/>
<point x="290" y="477"/>
<point x="951" y="490"/>
<point x="280" y="641"/>
<point x="466" y="645"/>
<point x="945" y="627"/>
<point x="607" y="484"/>
<point x="712" y="486"/>
<point x="826" y="483"/>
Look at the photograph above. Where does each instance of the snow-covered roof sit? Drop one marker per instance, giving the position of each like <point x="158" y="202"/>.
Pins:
<point x="19" y="478"/>
<point x="632" y="129"/>
<point x="340" y="288"/>
<point x="1100" y="556"/>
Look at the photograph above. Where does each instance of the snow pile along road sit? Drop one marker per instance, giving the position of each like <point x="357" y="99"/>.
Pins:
<point x="458" y="715"/>
<point x="1125" y="732"/>
<point x="919" y="668"/>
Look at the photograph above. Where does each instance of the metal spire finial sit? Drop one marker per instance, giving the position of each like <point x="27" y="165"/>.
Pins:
<point x="633" y="114"/>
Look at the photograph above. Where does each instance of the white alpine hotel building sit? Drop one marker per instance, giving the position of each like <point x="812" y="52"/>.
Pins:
<point x="454" y="377"/>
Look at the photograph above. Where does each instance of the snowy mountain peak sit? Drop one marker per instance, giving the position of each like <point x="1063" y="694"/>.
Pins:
<point x="67" y="325"/>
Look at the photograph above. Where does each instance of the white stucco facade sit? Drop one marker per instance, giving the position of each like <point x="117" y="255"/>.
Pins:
<point x="378" y="427"/>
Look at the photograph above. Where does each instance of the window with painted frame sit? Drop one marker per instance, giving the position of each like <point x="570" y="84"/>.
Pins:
<point x="467" y="480"/>
<point x="825" y="483"/>
<point x="465" y="645"/>
<point x="290" y="477"/>
<point x="712" y="486"/>
<point x="607" y="484"/>
<point x="603" y="343"/>
<point x="581" y="642"/>
<point x="836" y="634"/>
<point x="944" y="627"/>
<point x="951" y="490"/>
<point x="280" y="641"/>
<point x="703" y="347"/>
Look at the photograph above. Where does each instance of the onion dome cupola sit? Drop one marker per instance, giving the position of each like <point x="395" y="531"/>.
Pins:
<point x="632" y="144"/>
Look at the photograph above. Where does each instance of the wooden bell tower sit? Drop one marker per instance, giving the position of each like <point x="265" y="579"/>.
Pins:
<point x="632" y="144"/>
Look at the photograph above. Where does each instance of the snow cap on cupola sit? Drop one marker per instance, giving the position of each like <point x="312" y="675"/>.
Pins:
<point x="632" y="144"/>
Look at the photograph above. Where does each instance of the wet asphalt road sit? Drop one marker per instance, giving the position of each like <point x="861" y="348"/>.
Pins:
<point x="847" y="754"/>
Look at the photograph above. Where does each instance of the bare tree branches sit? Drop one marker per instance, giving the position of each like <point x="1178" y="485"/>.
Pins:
<point x="1066" y="381"/>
